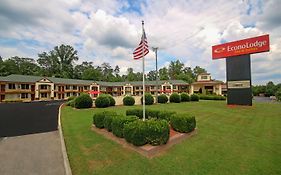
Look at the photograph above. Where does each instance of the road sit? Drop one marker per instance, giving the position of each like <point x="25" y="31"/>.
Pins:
<point x="29" y="139"/>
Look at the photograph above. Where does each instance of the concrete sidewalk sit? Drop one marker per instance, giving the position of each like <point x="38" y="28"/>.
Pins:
<point x="34" y="154"/>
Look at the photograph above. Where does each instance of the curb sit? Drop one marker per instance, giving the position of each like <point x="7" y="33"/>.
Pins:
<point x="63" y="148"/>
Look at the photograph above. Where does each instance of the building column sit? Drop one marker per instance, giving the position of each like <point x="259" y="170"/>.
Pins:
<point x="220" y="90"/>
<point x="36" y="91"/>
<point x="52" y="90"/>
<point x="191" y="89"/>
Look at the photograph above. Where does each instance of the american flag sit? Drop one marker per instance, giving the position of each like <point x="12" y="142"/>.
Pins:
<point x="142" y="48"/>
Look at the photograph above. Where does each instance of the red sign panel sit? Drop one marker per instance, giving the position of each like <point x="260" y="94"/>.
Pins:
<point x="241" y="47"/>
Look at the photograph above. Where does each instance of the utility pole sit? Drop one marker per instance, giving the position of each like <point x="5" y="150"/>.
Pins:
<point x="155" y="50"/>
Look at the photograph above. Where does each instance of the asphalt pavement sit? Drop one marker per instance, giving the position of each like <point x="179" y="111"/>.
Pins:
<point x="29" y="139"/>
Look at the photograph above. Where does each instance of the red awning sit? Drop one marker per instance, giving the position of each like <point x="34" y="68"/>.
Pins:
<point x="94" y="92"/>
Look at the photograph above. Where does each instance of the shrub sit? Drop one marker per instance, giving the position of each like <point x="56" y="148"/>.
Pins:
<point x="70" y="103"/>
<point x="149" y="100"/>
<point x="102" y="101"/>
<point x="111" y="100"/>
<point x="162" y="98"/>
<point x="128" y="101"/>
<point x="71" y="98"/>
<point x="278" y="95"/>
<point x="185" y="97"/>
<point x="83" y="101"/>
<point x="157" y="132"/>
<point x="108" y="119"/>
<point x="165" y="115"/>
<point x="211" y="97"/>
<point x="183" y="122"/>
<point x="119" y="122"/>
<point x="135" y="132"/>
<point x="175" y="98"/>
<point x="194" y="97"/>
<point x="98" y="119"/>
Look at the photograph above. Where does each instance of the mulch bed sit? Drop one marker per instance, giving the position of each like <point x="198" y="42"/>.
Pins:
<point x="147" y="150"/>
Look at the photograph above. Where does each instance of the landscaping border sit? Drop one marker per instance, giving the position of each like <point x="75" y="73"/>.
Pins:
<point x="63" y="147"/>
<point x="147" y="150"/>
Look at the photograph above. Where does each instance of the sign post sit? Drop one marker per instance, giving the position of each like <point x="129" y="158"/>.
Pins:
<point x="238" y="66"/>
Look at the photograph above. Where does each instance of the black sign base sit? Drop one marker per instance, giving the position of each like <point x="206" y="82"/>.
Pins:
<point x="238" y="75"/>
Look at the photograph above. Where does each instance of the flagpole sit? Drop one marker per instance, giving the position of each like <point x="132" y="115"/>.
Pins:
<point x="143" y="83"/>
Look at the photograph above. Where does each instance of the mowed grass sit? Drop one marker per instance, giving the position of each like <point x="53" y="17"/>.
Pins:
<point x="240" y="140"/>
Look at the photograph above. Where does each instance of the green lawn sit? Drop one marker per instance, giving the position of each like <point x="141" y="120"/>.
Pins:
<point x="241" y="140"/>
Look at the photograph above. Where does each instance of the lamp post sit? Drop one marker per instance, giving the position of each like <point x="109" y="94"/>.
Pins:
<point x="155" y="50"/>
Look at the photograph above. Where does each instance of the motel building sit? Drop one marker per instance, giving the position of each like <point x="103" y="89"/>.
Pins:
<point x="36" y="88"/>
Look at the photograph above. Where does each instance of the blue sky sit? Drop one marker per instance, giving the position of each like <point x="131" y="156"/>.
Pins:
<point x="108" y="31"/>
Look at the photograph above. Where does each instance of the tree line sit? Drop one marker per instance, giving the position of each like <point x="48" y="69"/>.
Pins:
<point x="270" y="89"/>
<point x="61" y="62"/>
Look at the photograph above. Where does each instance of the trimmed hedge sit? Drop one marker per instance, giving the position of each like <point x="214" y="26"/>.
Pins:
<point x="119" y="122"/>
<point x="83" y="101"/>
<point x="185" y="97"/>
<point x="175" y="98"/>
<point x="183" y="123"/>
<point x="157" y="132"/>
<point x="211" y="97"/>
<point x="162" y="98"/>
<point x="135" y="132"/>
<point x="164" y="115"/>
<point x="154" y="132"/>
<point x="111" y="100"/>
<point x="102" y="101"/>
<point x="194" y="97"/>
<point x="149" y="100"/>
<point x="128" y="101"/>
<point x="108" y="119"/>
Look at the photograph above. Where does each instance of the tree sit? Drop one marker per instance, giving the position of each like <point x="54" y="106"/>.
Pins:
<point x="151" y="75"/>
<point x="270" y="89"/>
<point x="163" y="74"/>
<point x="59" y="61"/>
<point x="198" y="70"/>
<point x="175" y="68"/>
<point x="18" y="65"/>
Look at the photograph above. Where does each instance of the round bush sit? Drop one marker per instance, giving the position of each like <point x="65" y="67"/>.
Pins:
<point x="111" y="100"/>
<point x="162" y="98"/>
<point x="108" y="119"/>
<point x="128" y="101"/>
<point x="149" y="100"/>
<point x="175" y="98"/>
<point x="83" y="101"/>
<point x="185" y="97"/>
<point x="119" y="122"/>
<point x="102" y="101"/>
<point x="135" y="132"/>
<point x="98" y="119"/>
<point x="157" y="132"/>
<point x="278" y="95"/>
<point x="183" y="122"/>
<point x="194" y="97"/>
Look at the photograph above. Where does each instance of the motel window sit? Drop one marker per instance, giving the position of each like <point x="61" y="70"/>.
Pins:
<point x="174" y="87"/>
<point x="74" y="87"/>
<point x="12" y="86"/>
<point x="74" y="94"/>
<point x="168" y="87"/>
<point x="67" y="87"/>
<point x="55" y="94"/>
<point x="152" y="87"/>
<point x="24" y="86"/>
<point x="43" y="87"/>
<point x="204" y="77"/>
<point x="85" y="87"/>
<point x="24" y="95"/>
<point x="44" y="95"/>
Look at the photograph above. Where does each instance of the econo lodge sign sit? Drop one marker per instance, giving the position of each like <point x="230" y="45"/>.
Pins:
<point x="241" y="47"/>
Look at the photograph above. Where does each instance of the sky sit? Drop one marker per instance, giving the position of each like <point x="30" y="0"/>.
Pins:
<point x="109" y="30"/>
